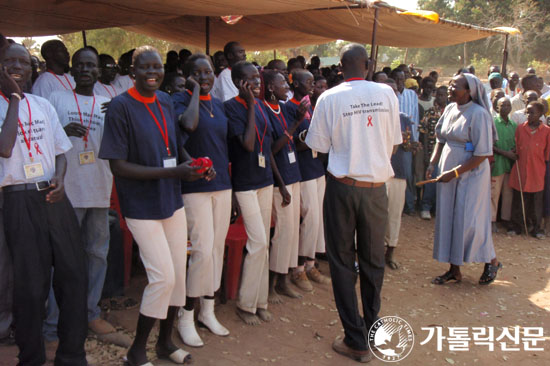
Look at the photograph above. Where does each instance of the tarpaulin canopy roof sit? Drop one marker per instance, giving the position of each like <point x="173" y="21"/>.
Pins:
<point x="267" y="24"/>
<point x="291" y="29"/>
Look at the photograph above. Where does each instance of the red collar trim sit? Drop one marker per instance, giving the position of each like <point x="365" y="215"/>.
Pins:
<point x="295" y="101"/>
<point x="274" y="106"/>
<point x="140" y="98"/>
<point x="201" y="97"/>
<point x="353" y="79"/>
<point x="242" y="101"/>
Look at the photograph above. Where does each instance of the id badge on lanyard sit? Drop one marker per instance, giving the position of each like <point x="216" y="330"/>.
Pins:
<point x="86" y="157"/>
<point x="291" y="157"/>
<point x="169" y="162"/>
<point x="33" y="170"/>
<point x="261" y="160"/>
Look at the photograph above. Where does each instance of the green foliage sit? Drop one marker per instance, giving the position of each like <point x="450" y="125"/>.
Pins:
<point x="540" y="67"/>
<point x="532" y="17"/>
<point x="396" y="62"/>
<point x="116" y="41"/>
<point x="480" y="63"/>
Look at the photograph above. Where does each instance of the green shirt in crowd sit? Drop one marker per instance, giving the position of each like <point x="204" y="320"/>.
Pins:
<point x="506" y="141"/>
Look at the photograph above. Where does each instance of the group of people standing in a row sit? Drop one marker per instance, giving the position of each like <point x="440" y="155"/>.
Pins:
<point x="263" y="139"/>
<point x="62" y="145"/>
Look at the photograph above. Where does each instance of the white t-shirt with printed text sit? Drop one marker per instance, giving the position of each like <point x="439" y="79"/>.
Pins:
<point x="357" y="123"/>
<point x="47" y="140"/>
<point x="109" y="91"/>
<point x="87" y="185"/>
<point x="48" y="83"/>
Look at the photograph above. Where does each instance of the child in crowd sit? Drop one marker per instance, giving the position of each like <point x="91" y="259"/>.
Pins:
<point x="427" y="138"/>
<point x="504" y="157"/>
<point x="527" y="175"/>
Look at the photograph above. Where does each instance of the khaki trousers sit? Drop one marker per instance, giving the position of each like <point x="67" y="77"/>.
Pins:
<point x="163" y="251"/>
<point x="312" y="229"/>
<point x="499" y="184"/>
<point x="395" y="189"/>
<point x="284" y="244"/>
<point x="256" y="212"/>
<point x="208" y="215"/>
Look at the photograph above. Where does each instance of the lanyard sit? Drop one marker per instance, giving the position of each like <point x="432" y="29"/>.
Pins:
<point x="85" y="138"/>
<point x="26" y="136"/>
<point x="352" y="79"/>
<point x="282" y="123"/>
<point x="265" y="129"/>
<point x="114" y="91"/>
<point x="164" y="132"/>
<point x="62" y="83"/>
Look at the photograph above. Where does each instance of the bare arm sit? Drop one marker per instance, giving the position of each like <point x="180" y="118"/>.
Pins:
<point x="8" y="134"/>
<point x="248" y="139"/>
<point x="125" y="169"/>
<point x="470" y="164"/>
<point x="57" y="182"/>
<point x="189" y="120"/>
<point x="280" y="182"/>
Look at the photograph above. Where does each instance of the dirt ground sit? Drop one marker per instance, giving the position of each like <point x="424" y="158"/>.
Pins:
<point x="303" y="329"/>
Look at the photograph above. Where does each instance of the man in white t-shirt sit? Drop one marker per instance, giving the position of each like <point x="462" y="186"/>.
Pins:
<point x="224" y="88"/>
<point x="40" y="224"/>
<point x="105" y="85"/>
<point x="56" y="76"/>
<point x="357" y="124"/>
<point x="123" y="81"/>
<point x="88" y="183"/>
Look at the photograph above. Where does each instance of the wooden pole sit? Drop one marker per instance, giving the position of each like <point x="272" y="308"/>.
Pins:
<point x="207" y="51"/>
<point x="274" y="54"/>
<point x="505" y="57"/>
<point x="84" y="38"/>
<point x="465" y="59"/>
<point x="406" y="55"/>
<point x="375" y="61"/>
<point x="373" y="46"/>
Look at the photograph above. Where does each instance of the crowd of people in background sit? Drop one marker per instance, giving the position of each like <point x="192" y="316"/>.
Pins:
<point x="193" y="141"/>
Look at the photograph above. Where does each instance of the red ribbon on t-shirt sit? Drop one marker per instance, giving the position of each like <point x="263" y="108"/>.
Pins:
<point x="62" y="83"/>
<point x="26" y="137"/>
<point x="85" y="138"/>
<point x="370" y="121"/>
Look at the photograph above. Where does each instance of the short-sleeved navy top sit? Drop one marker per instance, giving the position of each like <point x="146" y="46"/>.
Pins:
<point x="246" y="174"/>
<point x="131" y="134"/>
<point x="209" y="139"/>
<point x="310" y="167"/>
<point x="290" y="172"/>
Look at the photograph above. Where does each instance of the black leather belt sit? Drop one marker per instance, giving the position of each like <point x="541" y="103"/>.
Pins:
<point x="38" y="186"/>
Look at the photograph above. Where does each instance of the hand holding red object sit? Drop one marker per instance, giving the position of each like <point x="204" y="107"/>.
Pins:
<point x="204" y="163"/>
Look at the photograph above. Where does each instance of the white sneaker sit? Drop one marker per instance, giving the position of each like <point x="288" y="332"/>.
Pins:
<point x="186" y="328"/>
<point x="208" y="318"/>
<point x="425" y="215"/>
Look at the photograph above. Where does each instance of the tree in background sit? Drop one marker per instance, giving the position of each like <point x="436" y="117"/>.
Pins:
<point x="531" y="17"/>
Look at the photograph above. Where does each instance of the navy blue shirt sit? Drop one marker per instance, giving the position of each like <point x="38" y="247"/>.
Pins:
<point x="401" y="161"/>
<point x="131" y="134"/>
<point x="209" y="139"/>
<point x="310" y="167"/>
<point x="246" y="174"/>
<point x="290" y="172"/>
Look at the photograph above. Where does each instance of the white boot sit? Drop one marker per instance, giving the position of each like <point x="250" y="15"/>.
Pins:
<point x="208" y="318"/>
<point x="186" y="328"/>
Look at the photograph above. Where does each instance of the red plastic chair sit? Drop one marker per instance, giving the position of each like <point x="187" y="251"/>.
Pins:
<point x="235" y="243"/>
<point x="127" y="239"/>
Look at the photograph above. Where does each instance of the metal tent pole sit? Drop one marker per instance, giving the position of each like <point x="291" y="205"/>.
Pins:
<point x="84" y="38"/>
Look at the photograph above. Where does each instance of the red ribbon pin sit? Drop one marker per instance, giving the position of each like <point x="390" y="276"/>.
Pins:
<point x="369" y="123"/>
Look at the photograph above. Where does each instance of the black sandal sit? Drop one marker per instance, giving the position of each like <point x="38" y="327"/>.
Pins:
<point x="489" y="273"/>
<point x="448" y="276"/>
